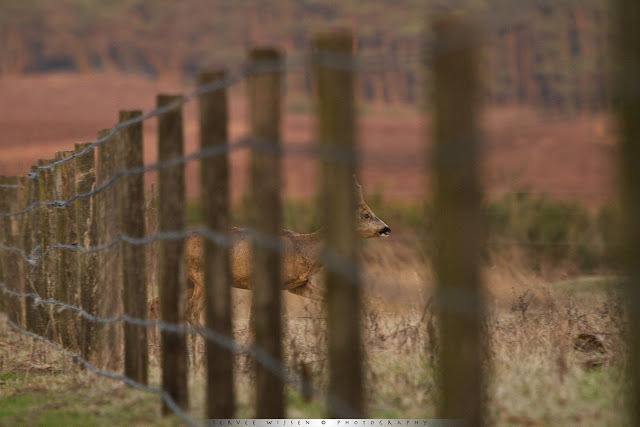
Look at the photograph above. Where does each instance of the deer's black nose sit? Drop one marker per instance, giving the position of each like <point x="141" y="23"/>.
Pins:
<point x="385" y="231"/>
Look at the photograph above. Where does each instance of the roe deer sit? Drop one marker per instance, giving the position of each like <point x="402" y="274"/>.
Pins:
<point x="302" y="270"/>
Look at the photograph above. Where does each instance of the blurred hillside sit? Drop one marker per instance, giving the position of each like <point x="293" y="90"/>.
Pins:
<point x="542" y="53"/>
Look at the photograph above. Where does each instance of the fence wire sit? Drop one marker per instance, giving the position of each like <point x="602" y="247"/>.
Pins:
<point x="205" y="153"/>
<point x="244" y="71"/>
<point x="309" y="150"/>
<point x="37" y="254"/>
<point x="228" y="343"/>
<point x="222" y="239"/>
<point x="330" y="260"/>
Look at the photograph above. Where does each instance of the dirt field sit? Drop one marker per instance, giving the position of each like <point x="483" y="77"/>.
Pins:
<point x="570" y="157"/>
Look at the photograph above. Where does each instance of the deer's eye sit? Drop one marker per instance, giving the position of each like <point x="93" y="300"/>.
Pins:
<point x="366" y="216"/>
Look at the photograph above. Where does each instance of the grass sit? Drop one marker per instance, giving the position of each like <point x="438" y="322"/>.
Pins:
<point x="63" y="395"/>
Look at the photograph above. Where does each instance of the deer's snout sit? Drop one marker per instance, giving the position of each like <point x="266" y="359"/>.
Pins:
<point x="385" y="231"/>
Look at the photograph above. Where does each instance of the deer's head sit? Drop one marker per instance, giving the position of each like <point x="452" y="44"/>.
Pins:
<point x="367" y="223"/>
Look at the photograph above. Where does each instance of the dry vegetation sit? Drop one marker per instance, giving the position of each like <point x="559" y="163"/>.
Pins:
<point x="555" y="353"/>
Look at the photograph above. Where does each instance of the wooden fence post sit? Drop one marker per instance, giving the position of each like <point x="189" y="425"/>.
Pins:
<point x="86" y="232"/>
<point x="265" y="109"/>
<point x="48" y="262"/>
<point x="459" y="230"/>
<point x="109" y="287"/>
<point x="67" y="261"/>
<point x="22" y="230"/>
<point x="214" y="192"/>
<point x="132" y="217"/>
<point x="626" y="101"/>
<point x="10" y="261"/>
<point x="171" y="274"/>
<point x="5" y="299"/>
<point x="337" y="136"/>
<point x="56" y="254"/>
<point x="31" y="240"/>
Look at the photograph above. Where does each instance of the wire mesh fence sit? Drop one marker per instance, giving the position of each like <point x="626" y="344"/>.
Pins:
<point x="77" y="241"/>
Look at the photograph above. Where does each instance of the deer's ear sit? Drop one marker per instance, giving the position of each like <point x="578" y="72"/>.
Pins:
<point x="356" y="185"/>
<point x="357" y="190"/>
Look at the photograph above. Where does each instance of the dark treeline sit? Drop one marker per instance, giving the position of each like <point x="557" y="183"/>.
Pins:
<point x="544" y="53"/>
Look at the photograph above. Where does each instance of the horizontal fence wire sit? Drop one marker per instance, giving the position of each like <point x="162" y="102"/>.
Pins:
<point x="234" y="78"/>
<point x="222" y="83"/>
<point x="308" y="150"/>
<point x="228" y="343"/>
<point x="223" y="239"/>
<point x="331" y="261"/>
<point x="211" y="87"/>
<point x="35" y="256"/>
<point x="366" y="63"/>
<point x="206" y="153"/>
<point x="111" y="375"/>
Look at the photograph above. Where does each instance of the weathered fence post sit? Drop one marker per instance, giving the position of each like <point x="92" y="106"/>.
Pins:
<point x="22" y="230"/>
<point x="626" y="93"/>
<point x="458" y="218"/>
<point x="109" y="286"/>
<point x="171" y="274"/>
<point x="132" y="218"/>
<point x="334" y="76"/>
<point x="48" y="261"/>
<point x="86" y="232"/>
<point x="10" y="261"/>
<point x="5" y="299"/>
<point x="214" y="192"/>
<point x="265" y="109"/>
<point x="152" y="255"/>
<point x="31" y="240"/>
<point x="67" y="261"/>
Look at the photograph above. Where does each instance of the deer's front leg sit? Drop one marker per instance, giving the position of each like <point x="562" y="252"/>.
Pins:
<point x="313" y="289"/>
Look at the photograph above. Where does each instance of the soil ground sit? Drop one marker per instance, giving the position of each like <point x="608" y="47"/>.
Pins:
<point x="570" y="157"/>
